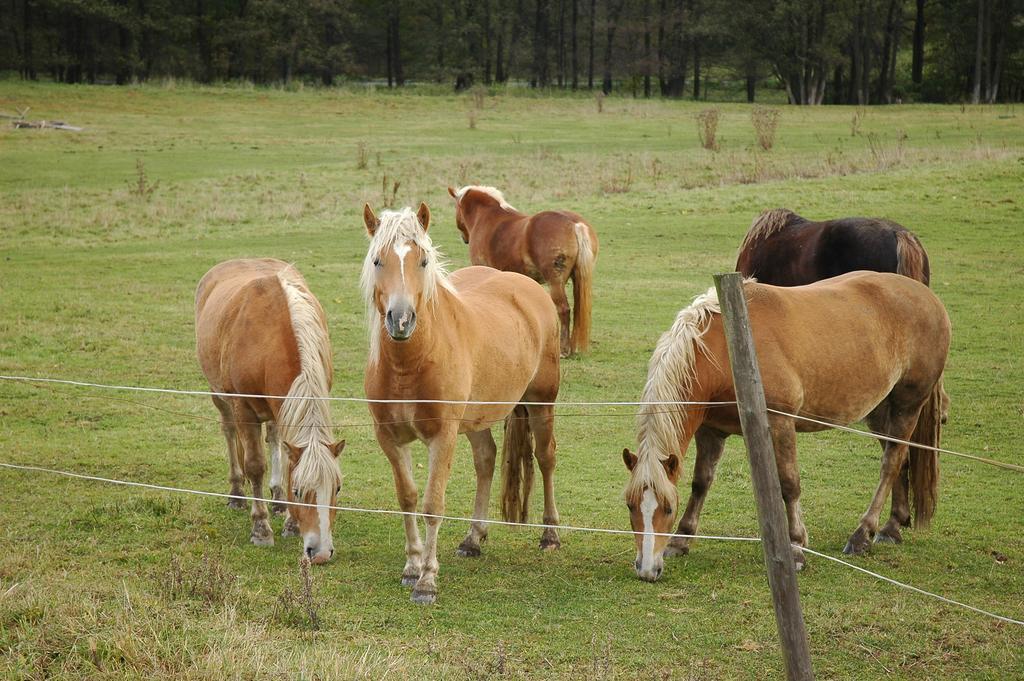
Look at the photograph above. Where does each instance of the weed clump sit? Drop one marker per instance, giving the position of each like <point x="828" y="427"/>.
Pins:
<point x="299" y="608"/>
<point x="765" y="120"/>
<point x="707" y="128"/>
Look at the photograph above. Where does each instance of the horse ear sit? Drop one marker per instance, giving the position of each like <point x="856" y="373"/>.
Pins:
<point x="671" y="464"/>
<point x="336" y="448"/>
<point x="451" y="193"/>
<point x="294" y="453"/>
<point x="423" y="215"/>
<point x="629" y="458"/>
<point x="370" y="220"/>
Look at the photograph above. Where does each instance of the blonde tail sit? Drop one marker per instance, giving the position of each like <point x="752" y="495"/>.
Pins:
<point x="516" y="466"/>
<point x="582" y="282"/>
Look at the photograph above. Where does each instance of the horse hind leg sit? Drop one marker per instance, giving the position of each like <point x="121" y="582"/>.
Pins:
<point x="235" y="453"/>
<point x="255" y="468"/>
<point x="542" y="423"/>
<point x="556" y="282"/>
<point x="900" y="514"/>
<point x="900" y="425"/>
<point x="484" y="454"/>
<point x="710" y="446"/>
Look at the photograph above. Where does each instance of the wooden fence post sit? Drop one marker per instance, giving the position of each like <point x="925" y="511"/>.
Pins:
<point x="771" y="513"/>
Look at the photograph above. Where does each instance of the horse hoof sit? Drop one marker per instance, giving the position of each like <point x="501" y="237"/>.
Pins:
<point x="236" y="504"/>
<point x="799" y="561"/>
<point x="262" y="539"/>
<point x="858" y="544"/>
<point x="889" y="537"/>
<point x="424" y="597"/>
<point x="548" y="544"/>
<point x="673" y="551"/>
<point x="467" y="550"/>
<point x="290" y="529"/>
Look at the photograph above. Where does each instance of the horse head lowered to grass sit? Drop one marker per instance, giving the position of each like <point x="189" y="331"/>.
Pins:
<point x="862" y="346"/>
<point x="260" y="331"/>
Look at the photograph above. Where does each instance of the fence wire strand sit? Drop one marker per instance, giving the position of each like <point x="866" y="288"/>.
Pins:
<point x="574" y="528"/>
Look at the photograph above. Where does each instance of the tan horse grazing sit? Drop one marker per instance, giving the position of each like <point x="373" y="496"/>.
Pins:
<point x="259" y="331"/>
<point x="477" y="335"/>
<point x="861" y="346"/>
<point x="550" y="247"/>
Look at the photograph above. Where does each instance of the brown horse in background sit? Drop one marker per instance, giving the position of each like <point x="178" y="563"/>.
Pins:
<point x="550" y="247"/>
<point x="259" y="331"/>
<point x="861" y="346"/>
<point x="478" y="335"/>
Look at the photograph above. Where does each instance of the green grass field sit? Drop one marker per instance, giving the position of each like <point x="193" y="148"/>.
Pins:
<point x="99" y="258"/>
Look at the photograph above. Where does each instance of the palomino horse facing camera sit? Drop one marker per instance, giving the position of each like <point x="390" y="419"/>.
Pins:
<point x="861" y="346"/>
<point x="550" y="247"/>
<point x="259" y="331"/>
<point x="478" y="335"/>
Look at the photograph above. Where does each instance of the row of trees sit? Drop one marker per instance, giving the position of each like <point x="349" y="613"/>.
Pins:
<point x="820" y="51"/>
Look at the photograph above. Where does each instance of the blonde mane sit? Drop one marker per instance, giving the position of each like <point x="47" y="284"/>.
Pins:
<point x="671" y="373"/>
<point x="399" y="227"/>
<point x="306" y="421"/>
<point x="767" y="223"/>
<point x="489" y="191"/>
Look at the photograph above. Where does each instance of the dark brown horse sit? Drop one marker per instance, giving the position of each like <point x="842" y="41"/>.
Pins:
<point x="784" y="249"/>
<point x="550" y="247"/>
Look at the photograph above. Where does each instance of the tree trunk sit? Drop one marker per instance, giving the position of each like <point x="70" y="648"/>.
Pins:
<point x="917" y="67"/>
<point x="396" y="46"/>
<point x="590" y="67"/>
<point x="613" y="20"/>
<point x="575" y="45"/>
<point x="978" y="46"/>
<point x="696" y="70"/>
<point x="751" y="85"/>
<point x="540" y="46"/>
<point x="647" y="49"/>
<point x="389" y="52"/>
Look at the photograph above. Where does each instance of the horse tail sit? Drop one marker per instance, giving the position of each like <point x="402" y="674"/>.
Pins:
<point x="582" y="283"/>
<point x="516" y="466"/>
<point x="911" y="258"/>
<point x="924" y="463"/>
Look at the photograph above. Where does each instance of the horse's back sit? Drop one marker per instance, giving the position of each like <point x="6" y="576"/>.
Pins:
<point x="244" y="338"/>
<point x="840" y="345"/>
<point x="496" y="293"/>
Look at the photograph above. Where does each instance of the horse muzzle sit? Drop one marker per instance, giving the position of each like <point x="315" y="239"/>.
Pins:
<point x="648" y="574"/>
<point x="400" y="322"/>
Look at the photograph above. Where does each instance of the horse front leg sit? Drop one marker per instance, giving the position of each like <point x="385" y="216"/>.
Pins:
<point x="278" y="472"/>
<point x="400" y="458"/>
<point x="710" y="446"/>
<point x="442" y="451"/>
<point x="484" y="453"/>
<point x="783" y="432"/>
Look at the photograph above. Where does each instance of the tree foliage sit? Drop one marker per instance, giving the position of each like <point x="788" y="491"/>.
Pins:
<point x="818" y="51"/>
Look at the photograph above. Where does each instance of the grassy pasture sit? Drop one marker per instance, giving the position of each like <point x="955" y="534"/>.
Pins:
<point x="98" y="263"/>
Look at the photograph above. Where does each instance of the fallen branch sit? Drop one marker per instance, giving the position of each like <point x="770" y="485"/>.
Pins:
<point x="56" y="125"/>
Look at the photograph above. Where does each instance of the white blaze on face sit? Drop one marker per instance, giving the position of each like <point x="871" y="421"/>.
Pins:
<point x="647" y="508"/>
<point x="401" y="250"/>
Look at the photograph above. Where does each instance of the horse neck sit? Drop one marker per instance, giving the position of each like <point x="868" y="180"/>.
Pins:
<point x="486" y="215"/>
<point x="305" y="416"/>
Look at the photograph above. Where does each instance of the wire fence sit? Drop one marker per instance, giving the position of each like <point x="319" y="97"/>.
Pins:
<point x="574" y="528"/>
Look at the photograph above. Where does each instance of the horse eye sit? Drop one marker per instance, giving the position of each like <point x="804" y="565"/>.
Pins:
<point x="376" y="262"/>
<point x="295" y="493"/>
<point x="668" y="510"/>
<point x="424" y="263"/>
<point x="338" y="490"/>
